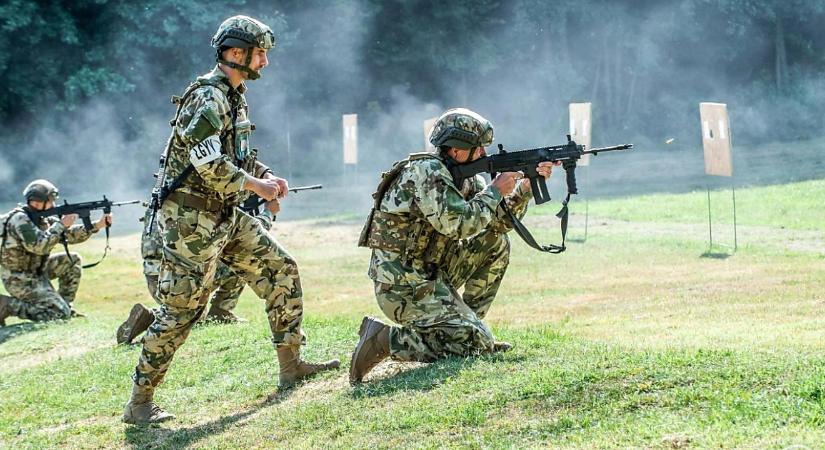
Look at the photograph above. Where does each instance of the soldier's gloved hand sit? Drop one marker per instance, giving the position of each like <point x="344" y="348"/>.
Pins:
<point x="104" y="221"/>
<point x="545" y="169"/>
<point x="505" y="182"/>
<point x="267" y="189"/>
<point x="273" y="206"/>
<point x="68" y="220"/>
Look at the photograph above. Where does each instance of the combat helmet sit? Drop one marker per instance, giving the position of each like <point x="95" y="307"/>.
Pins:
<point x="242" y="32"/>
<point x="461" y="128"/>
<point x="41" y="191"/>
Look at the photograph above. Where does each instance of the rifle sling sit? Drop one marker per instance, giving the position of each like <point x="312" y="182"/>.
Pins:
<point x="65" y="243"/>
<point x="528" y="238"/>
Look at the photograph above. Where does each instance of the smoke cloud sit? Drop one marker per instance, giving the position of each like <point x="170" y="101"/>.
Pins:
<point x="644" y="68"/>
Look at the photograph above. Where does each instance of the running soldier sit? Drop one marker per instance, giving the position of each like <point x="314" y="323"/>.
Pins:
<point x="210" y="168"/>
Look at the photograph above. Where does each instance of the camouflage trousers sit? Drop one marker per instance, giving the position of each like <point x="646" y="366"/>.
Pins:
<point x="228" y="287"/>
<point x="33" y="296"/>
<point x="436" y="321"/>
<point x="194" y="243"/>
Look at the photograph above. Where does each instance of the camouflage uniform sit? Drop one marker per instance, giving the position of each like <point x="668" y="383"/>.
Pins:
<point x="26" y="266"/>
<point x="429" y="239"/>
<point x="201" y="226"/>
<point x="227" y="285"/>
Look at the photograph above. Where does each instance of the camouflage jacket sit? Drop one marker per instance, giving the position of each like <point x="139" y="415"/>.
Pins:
<point x="211" y="131"/>
<point x="27" y="245"/>
<point x="425" y="212"/>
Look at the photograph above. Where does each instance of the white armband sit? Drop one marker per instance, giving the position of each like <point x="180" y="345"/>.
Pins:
<point x="206" y="151"/>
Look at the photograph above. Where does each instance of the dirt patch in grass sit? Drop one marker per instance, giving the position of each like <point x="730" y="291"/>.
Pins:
<point x="62" y="350"/>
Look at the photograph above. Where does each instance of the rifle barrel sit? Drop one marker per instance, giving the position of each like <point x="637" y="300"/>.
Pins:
<point x="306" y="188"/>
<point x="608" y="149"/>
<point x="295" y="189"/>
<point x="130" y="202"/>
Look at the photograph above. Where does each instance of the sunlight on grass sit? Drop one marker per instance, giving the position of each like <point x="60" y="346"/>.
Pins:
<point x="630" y="339"/>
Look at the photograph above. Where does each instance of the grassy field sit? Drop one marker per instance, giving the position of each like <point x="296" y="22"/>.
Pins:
<point x="795" y="206"/>
<point x="638" y="337"/>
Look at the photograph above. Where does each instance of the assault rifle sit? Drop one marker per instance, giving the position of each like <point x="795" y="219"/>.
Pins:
<point x="526" y="161"/>
<point x="252" y="205"/>
<point x="83" y="210"/>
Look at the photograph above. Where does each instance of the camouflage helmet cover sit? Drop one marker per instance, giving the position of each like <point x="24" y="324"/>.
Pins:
<point x="461" y="128"/>
<point x="243" y="32"/>
<point x="41" y="191"/>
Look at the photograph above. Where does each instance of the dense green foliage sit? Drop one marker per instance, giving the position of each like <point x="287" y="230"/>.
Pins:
<point x="63" y="53"/>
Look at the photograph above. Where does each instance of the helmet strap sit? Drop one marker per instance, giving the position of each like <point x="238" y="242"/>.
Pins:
<point x="253" y="75"/>
<point x="472" y="153"/>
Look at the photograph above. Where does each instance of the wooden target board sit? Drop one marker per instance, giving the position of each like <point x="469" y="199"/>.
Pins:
<point x="581" y="127"/>
<point x="716" y="139"/>
<point x="350" y="122"/>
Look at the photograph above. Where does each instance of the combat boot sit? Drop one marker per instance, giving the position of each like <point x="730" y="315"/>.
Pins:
<point x="5" y="309"/>
<point x="372" y="348"/>
<point x="293" y="369"/>
<point x="139" y="320"/>
<point x="219" y="315"/>
<point x="142" y="410"/>
<point x="502" y="346"/>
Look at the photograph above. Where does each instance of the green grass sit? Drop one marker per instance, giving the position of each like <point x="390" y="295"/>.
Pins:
<point x="797" y="206"/>
<point x="632" y="339"/>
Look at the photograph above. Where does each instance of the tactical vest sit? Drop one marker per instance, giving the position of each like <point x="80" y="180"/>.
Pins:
<point x="16" y="258"/>
<point x="410" y="235"/>
<point x="244" y="157"/>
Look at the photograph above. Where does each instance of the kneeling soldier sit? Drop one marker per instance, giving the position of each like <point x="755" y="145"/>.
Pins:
<point x="429" y="237"/>
<point x="26" y="262"/>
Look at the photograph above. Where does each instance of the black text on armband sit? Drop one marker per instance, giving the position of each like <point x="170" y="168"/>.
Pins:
<point x="207" y="151"/>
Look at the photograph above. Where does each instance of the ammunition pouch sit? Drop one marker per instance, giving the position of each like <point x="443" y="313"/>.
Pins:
<point x="417" y="243"/>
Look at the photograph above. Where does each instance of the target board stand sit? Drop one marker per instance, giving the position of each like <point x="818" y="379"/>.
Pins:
<point x="580" y="132"/>
<point x="716" y="140"/>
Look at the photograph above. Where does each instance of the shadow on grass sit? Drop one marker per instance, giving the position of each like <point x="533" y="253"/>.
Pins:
<point x="422" y="378"/>
<point x="158" y="437"/>
<point x="716" y="255"/>
<point x="12" y="331"/>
